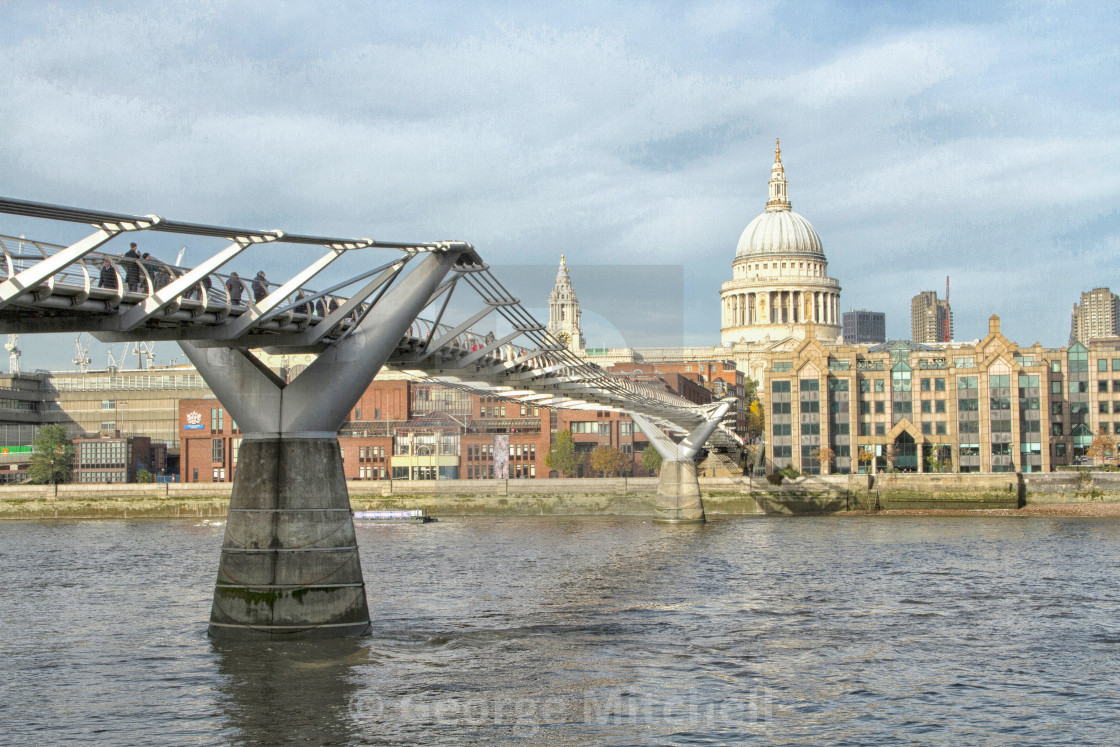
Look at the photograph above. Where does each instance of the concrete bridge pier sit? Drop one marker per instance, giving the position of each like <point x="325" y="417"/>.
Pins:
<point x="678" y="488"/>
<point x="289" y="567"/>
<point x="678" y="494"/>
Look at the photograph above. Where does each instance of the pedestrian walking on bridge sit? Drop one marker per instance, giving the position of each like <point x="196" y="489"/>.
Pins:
<point x="260" y="287"/>
<point x="132" y="267"/>
<point x="235" y="288"/>
<point x="108" y="278"/>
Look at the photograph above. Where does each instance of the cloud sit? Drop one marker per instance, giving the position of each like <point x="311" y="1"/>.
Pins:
<point x="914" y="141"/>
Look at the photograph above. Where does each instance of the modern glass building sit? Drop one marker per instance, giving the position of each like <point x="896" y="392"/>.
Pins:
<point x="862" y="327"/>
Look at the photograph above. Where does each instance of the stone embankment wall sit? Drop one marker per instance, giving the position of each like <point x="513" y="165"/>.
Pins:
<point x="83" y="501"/>
<point x="621" y="496"/>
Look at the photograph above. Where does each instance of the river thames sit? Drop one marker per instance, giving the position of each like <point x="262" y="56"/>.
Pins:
<point x="839" y="630"/>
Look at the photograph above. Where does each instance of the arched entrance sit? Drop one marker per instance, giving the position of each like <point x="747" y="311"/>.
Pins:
<point x="906" y="453"/>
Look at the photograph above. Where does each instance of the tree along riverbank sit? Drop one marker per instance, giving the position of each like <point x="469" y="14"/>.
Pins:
<point x="1012" y="494"/>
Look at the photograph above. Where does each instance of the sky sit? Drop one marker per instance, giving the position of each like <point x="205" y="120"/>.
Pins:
<point x="978" y="141"/>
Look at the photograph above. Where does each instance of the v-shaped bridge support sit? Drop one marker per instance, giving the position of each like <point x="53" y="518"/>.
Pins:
<point x="678" y="488"/>
<point x="289" y="566"/>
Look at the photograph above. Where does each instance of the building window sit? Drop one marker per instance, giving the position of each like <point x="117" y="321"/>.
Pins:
<point x="216" y="450"/>
<point x="880" y="429"/>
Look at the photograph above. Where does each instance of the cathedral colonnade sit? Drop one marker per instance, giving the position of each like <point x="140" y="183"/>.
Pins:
<point x="781" y="307"/>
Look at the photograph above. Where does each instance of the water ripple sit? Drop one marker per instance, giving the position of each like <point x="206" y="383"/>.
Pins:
<point x="583" y="631"/>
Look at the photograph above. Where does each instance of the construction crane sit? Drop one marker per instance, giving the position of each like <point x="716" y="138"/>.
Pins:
<point x="81" y="354"/>
<point x="145" y="355"/>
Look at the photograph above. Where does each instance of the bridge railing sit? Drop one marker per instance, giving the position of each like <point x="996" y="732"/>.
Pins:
<point x="139" y="278"/>
<point x="468" y="341"/>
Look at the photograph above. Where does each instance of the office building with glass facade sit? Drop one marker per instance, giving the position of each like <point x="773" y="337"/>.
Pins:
<point x="989" y="406"/>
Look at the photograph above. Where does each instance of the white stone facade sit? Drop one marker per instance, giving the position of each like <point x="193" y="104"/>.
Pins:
<point x="780" y="287"/>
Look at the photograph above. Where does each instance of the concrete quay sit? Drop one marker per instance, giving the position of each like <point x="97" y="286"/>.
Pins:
<point x="617" y="496"/>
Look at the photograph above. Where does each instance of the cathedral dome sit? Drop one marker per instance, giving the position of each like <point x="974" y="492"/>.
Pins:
<point x="779" y="232"/>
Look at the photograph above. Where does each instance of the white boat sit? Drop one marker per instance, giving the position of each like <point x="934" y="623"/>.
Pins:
<point x="417" y="515"/>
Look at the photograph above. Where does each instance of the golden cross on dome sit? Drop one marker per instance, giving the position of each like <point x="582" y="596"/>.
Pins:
<point x="778" y="149"/>
<point x="561" y="259"/>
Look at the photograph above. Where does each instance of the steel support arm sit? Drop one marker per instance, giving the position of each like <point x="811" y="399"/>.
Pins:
<point x="321" y="397"/>
<point x="692" y="443"/>
<point x="248" y="390"/>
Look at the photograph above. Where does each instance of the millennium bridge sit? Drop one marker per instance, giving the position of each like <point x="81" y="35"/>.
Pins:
<point x="289" y="564"/>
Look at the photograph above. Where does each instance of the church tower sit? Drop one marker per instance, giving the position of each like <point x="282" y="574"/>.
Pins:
<point x="563" y="311"/>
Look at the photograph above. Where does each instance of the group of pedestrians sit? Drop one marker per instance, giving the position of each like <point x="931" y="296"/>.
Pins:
<point x="157" y="272"/>
<point x="159" y="276"/>
<point x="235" y="287"/>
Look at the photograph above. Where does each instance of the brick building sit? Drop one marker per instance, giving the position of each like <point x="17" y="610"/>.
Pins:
<point x="400" y="430"/>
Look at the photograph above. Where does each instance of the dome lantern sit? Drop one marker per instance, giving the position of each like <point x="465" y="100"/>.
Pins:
<point x="779" y="196"/>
